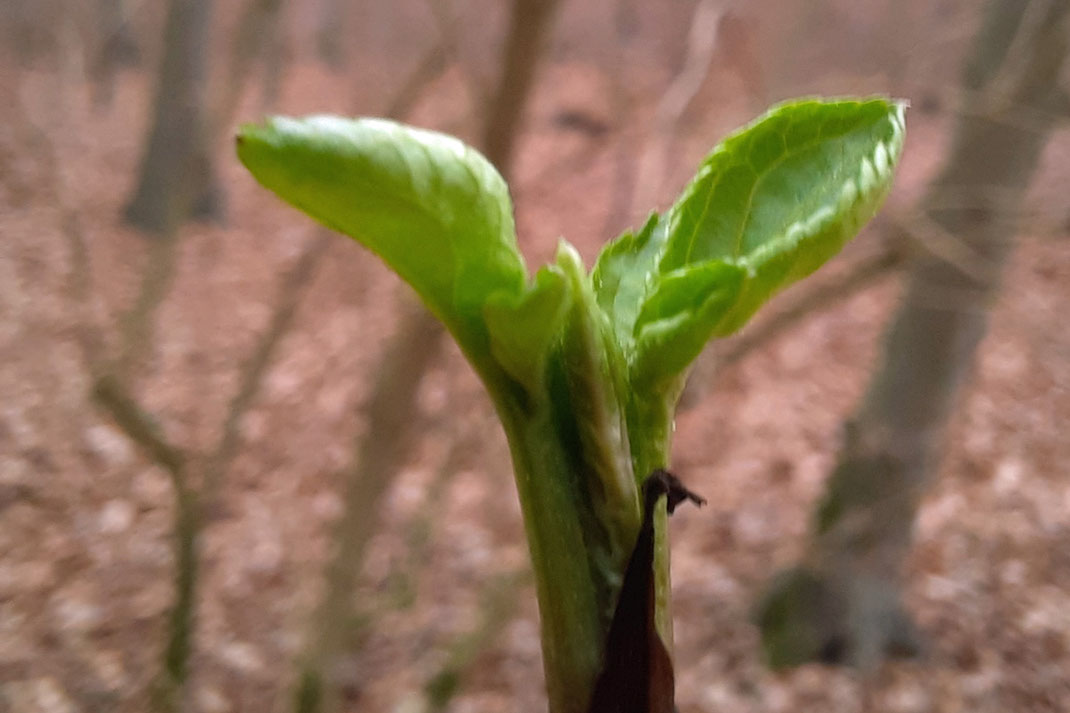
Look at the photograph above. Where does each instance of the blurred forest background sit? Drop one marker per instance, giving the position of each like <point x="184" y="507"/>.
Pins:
<point x="240" y="470"/>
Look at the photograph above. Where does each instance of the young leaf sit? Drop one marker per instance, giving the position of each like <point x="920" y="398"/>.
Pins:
<point x="432" y="208"/>
<point x="523" y="327"/>
<point x="782" y="196"/>
<point x="624" y="273"/>
<point x="775" y="201"/>
<point x="675" y="316"/>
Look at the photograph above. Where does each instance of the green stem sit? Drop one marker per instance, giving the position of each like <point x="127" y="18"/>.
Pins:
<point x="570" y="615"/>
<point x="552" y="457"/>
<point x="170" y="686"/>
<point x="569" y="440"/>
<point x="650" y="428"/>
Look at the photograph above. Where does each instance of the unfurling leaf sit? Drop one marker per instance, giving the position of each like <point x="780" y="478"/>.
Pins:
<point x="432" y="208"/>
<point x="522" y="327"/>
<point x="770" y="205"/>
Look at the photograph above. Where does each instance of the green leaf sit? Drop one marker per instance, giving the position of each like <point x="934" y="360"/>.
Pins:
<point x="432" y="208"/>
<point x="625" y="272"/>
<point x="523" y="328"/>
<point x="782" y="196"/>
<point x="675" y="320"/>
<point x="770" y="205"/>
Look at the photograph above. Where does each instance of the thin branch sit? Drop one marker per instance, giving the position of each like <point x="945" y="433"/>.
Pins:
<point x="430" y="68"/>
<point x="257" y="14"/>
<point x="998" y="94"/>
<point x="246" y="47"/>
<point x="445" y="22"/>
<point x="529" y="24"/>
<point x="1011" y="113"/>
<point x="252" y="373"/>
<point x="931" y="237"/>
<point x="137" y="326"/>
<point x="276" y="50"/>
<point x="377" y="455"/>
<point x="79" y="277"/>
<point x="169" y="689"/>
<point x="139" y="425"/>
<point x="466" y="442"/>
<point x="107" y="391"/>
<point x="496" y="610"/>
<point x="627" y="146"/>
<point x="416" y="344"/>
<point x="701" y="44"/>
<point x="293" y="285"/>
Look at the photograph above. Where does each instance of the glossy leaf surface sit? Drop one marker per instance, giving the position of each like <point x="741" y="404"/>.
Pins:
<point x="432" y="208"/>
<point x="585" y="368"/>
<point x="768" y="206"/>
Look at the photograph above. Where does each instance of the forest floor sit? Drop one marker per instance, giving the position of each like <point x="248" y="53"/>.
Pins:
<point x="85" y="519"/>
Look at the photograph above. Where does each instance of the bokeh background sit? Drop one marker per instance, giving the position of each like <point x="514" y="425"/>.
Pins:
<point x="262" y="349"/>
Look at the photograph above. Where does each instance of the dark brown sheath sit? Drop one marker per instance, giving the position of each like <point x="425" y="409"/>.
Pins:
<point x="637" y="674"/>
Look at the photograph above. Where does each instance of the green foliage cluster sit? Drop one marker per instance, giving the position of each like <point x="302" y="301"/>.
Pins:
<point x="584" y="367"/>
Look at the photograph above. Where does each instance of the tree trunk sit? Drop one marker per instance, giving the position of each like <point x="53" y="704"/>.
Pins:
<point x="332" y="30"/>
<point x="175" y="174"/>
<point x="276" y="58"/>
<point x="30" y="28"/>
<point x="528" y="25"/>
<point x="842" y="603"/>
<point x="117" y="47"/>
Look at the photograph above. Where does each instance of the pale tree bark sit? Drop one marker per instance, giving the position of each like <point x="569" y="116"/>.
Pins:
<point x="842" y="603"/>
<point x="718" y="36"/>
<point x="529" y="23"/>
<point x="378" y="455"/>
<point x="175" y="170"/>
<point x="276" y="59"/>
<point x="330" y="36"/>
<point x="702" y="41"/>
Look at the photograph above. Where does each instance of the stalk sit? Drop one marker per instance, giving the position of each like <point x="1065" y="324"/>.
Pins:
<point x="581" y="447"/>
<point x="651" y="425"/>
<point x="570" y="449"/>
<point x="572" y="630"/>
